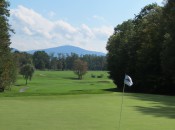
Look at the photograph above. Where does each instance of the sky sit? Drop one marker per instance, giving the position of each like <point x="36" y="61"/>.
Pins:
<point x="40" y="24"/>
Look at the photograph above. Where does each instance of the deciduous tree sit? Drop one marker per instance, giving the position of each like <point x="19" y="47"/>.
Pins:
<point x="41" y="60"/>
<point x="80" y="68"/>
<point x="27" y="72"/>
<point x="7" y="65"/>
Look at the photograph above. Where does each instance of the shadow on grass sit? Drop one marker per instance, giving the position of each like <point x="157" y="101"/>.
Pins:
<point x="19" y="85"/>
<point x="71" y="78"/>
<point x="111" y="90"/>
<point x="158" y="105"/>
<point x="103" y="81"/>
<point x="73" y="92"/>
<point x="88" y="91"/>
<point x="158" y="111"/>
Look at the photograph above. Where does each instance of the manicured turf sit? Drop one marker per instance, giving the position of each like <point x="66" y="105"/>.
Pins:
<point x="62" y="82"/>
<point x="57" y="101"/>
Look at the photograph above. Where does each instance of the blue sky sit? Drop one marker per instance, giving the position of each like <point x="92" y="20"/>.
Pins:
<point x="85" y="23"/>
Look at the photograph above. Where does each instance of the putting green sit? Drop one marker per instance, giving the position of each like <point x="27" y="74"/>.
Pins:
<point x="87" y="112"/>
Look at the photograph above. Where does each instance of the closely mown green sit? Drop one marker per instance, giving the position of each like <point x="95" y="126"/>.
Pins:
<point x="87" y="112"/>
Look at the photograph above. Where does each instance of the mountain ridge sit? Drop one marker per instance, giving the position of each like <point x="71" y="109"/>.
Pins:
<point x="68" y="49"/>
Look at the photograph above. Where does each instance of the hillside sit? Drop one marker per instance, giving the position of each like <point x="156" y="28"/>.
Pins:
<point x="67" y="49"/>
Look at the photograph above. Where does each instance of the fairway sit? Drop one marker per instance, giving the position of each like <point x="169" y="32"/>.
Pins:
<point x="62" y="82"/>
<point x="58" y="101"/>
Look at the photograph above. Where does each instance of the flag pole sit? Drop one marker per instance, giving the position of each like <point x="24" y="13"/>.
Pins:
<point x="121" y="106"/>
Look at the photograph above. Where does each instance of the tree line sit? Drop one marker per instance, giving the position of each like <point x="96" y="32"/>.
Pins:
<point x="27" y="63"/>
<point x="43" y="61"/>
<point x="144" y="48"/>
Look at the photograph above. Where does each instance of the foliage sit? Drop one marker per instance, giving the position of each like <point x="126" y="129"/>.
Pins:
<point x="148" y="38"/>
<point x="41" y="60"/>
<point x="7" y="65"/>
<point x="95" y="62"/>
<point x="168" y="47"/>
<point x="63" y="62"/>
<point x="22" y="58"/>
<point x="27" y="71"/>
<point x="144" y="49"/>
<point x="118" y="47"/>
<point x="80" y="68"/>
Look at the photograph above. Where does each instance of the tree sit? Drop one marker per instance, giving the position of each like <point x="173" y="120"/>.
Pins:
<point x="148" y="38"/>
<point x="168" y="53"/>
<point x="62" y="61"/>
<point x="70" y="60"/>
<point x="41" y="60"/>
<point x="118" y="47"/>
<point x="95" y="62"/>
<point x="80" y="68"/>
<point x="135" y="49"/>
<point x="54" y="63"/>
<point x="22" y="58"/>
<point x="7" y="65"/>
<point x="27" y="72"/>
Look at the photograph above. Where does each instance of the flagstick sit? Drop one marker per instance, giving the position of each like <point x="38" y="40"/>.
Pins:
<point x="121" y="107"/>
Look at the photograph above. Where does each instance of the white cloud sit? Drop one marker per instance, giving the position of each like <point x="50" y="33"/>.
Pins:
<point x="64" y="26"/>
<point x="86" y="31"/>
<point x="104" y="31"/>
<point x="33" y="21"/>
<point x="33" y="31"/>
<point x="27" y="31"/>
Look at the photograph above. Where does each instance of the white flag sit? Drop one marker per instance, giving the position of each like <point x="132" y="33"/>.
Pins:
<point x="128" y="80"/>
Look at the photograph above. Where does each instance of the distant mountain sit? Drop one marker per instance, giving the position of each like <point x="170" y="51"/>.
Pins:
<point x="67" y="49"/>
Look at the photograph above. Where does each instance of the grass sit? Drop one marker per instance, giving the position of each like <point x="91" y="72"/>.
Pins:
<point x="58" y="101"/>
<point x="62" y="82"/>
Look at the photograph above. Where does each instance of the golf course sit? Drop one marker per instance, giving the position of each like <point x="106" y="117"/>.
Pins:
<point x="57" y="100"/>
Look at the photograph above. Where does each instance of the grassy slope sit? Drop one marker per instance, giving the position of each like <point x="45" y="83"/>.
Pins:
<point x="62" y="82"/>
<point x="74" y="111"/>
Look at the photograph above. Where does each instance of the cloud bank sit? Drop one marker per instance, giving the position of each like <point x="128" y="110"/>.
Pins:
<point x="33" y="31"/>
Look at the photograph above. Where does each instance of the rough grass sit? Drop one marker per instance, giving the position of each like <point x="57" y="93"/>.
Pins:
<point x="58" y="101"/>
